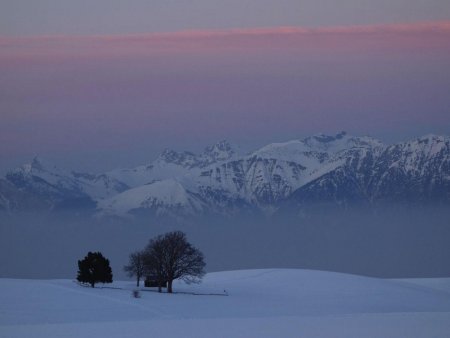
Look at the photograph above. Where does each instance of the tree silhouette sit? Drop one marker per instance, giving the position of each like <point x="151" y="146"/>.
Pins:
<point x="136" y="266"/>
<point x="94" y="268"/>
<point x="171" y="256"/>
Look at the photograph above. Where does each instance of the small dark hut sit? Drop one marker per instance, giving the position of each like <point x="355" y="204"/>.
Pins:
<point x="151" y="281"/>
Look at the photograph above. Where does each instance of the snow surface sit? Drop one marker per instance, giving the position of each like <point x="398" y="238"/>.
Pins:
<point x="145" y="174"/>
<point x="246" y="303"/>
<point x="307" y="151"/>
<point x="161" y="194"/>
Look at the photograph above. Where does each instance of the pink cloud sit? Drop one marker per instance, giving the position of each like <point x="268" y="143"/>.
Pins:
<point x="432" y="35"/>
<point x="71" y="92"/>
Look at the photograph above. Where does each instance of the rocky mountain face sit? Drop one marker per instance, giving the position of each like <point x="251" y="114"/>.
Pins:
<point x="415" y="172"/>
<point x="340" y="170"/>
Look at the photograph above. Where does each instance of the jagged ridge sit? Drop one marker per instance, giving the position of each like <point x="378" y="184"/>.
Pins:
<point x="340" y="169"/>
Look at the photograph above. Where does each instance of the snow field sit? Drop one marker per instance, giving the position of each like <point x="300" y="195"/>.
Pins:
<point x="246" y="303"/>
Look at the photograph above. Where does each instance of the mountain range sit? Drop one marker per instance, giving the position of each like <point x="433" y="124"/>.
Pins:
<point x="340" y="170"/>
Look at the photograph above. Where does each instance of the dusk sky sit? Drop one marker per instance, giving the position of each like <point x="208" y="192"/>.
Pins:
<point x="100" y="84"/>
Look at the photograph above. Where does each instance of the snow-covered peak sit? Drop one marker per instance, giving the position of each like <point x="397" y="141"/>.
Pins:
<point x="37" y="163"/>
<point x="288" y="151"/>
<point x="46" y="178"/>
<point x="222" y="179"/>
<point x="432" y="143"/>
<point x="323" y="138"/>
<point x="423" y="148"/>
<point x="434" y="138"/>
<point x="340" y="141"/>
<point x="40" y="167"/>
<point x="221" y="151"/>
<point x="184" y="159"/>
<point x="315" y="149"/>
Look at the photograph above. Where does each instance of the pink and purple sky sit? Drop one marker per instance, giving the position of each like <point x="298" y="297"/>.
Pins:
<point x="83" y="81"/>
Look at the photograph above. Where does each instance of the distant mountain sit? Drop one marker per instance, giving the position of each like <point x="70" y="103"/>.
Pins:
<point x="171" y="164"/>
<point x="161" y="198"/>
<point x="415" y="172"/>
<point x="340" y="170"/>
<point x="13" y="199"/>
<point x="60" y="189"/>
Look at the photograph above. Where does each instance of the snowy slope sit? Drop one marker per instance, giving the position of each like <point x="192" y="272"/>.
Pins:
<point x="247" y="303"/>
<point x="13" y="199"/>
<point x="169" y="164"/>
<point x="316" y="148"/>
<point x="270" y="174"/>
<point x="54" y="184"/>
<point x="416" y="171"/>
<point x="173" y="164"/>
<point x="166" y="197"/>
<point x="42" y="177"/>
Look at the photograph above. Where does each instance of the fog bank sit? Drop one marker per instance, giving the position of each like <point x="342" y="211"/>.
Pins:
<point x="389" y="242"/>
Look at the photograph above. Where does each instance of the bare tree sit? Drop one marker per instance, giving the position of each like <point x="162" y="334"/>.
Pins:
<point x="171" y="256"/>
<point x="154" y="259"/>
<point x="136" y="266"/>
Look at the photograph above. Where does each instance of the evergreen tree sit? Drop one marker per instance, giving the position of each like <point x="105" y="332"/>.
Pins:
<point x="94" y="268"/>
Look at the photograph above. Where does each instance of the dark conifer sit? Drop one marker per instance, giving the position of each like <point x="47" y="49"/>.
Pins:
<point x="94" y="268"/>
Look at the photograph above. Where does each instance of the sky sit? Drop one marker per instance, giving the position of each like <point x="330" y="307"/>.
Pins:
<point x="100" y="84"/>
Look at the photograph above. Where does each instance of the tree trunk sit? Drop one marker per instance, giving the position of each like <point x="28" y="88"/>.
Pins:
<point x="92" y="284"/>
<point x="137" y="283"/>
<point x="169" y="286"/>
